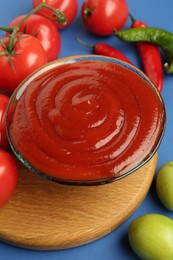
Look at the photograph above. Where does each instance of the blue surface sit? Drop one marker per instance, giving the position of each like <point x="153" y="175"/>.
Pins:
<point x="115" y="245"/>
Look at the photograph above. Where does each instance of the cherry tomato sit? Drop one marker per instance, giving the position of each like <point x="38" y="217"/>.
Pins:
<point x="102" y="16"/>
<point x="68" y="7"/>
<point x="8" y="177"/>
<point x="27" y="55"/>
<point x="44" y="30"/>
<point x="4" y="144"/>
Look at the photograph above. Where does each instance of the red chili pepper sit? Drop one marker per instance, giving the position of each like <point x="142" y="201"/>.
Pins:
<point x="106" y="50"/>
<point x="151" y="58"/>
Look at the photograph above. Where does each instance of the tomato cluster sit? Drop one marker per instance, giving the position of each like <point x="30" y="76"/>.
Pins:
<point x="31" y="41"/>
<point x="35" y="41"/>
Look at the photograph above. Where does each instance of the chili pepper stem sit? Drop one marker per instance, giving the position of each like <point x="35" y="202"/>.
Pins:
<point x="169" y="67"/>
<point x="84" y="43"/>
<point x="132" y="18"/>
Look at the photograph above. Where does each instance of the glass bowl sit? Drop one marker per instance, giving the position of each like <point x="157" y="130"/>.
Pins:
<point x="85" y="120"/>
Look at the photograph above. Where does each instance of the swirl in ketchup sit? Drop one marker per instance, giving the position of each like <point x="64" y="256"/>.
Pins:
<point x="90" y="120"/>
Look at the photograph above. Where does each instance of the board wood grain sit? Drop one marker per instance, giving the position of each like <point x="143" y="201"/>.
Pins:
<point x="44" y="215"/>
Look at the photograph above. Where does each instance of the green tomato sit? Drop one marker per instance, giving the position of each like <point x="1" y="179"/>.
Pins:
<point x="151" y="237"/>
<point x="164" y="185"/>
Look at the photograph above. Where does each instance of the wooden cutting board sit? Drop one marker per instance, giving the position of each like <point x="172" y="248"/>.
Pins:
<point x="47" y="216"/>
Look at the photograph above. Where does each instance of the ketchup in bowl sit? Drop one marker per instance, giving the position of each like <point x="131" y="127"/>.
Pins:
<point x="85" y="120"/>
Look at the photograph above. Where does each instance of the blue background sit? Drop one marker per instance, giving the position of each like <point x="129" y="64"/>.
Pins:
<point x="115" y="245"/>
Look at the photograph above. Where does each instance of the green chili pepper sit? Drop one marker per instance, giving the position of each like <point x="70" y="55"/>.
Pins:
<point x="160" y="37"/>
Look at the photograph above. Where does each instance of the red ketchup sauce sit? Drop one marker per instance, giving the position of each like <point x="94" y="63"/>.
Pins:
<point x="88" y="120"/>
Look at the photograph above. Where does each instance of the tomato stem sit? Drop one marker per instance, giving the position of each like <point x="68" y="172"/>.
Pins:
<point x="88" y="12"/>
<point x="7" y="28"/>
<point x="12" y="37"/>
<point x="56" y="13"/>
<point x="13" y="29"/>
<point x="10" y="43"/>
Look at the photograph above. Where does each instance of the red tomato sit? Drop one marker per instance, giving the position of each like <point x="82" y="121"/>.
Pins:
<point x="68" y="7"/>
<point x="4" y="144"/>
<point x="102" y="16"/>
<point x="27" y="55"/>
<point x="44" y="30"/>
<point x="8" y="177"/>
